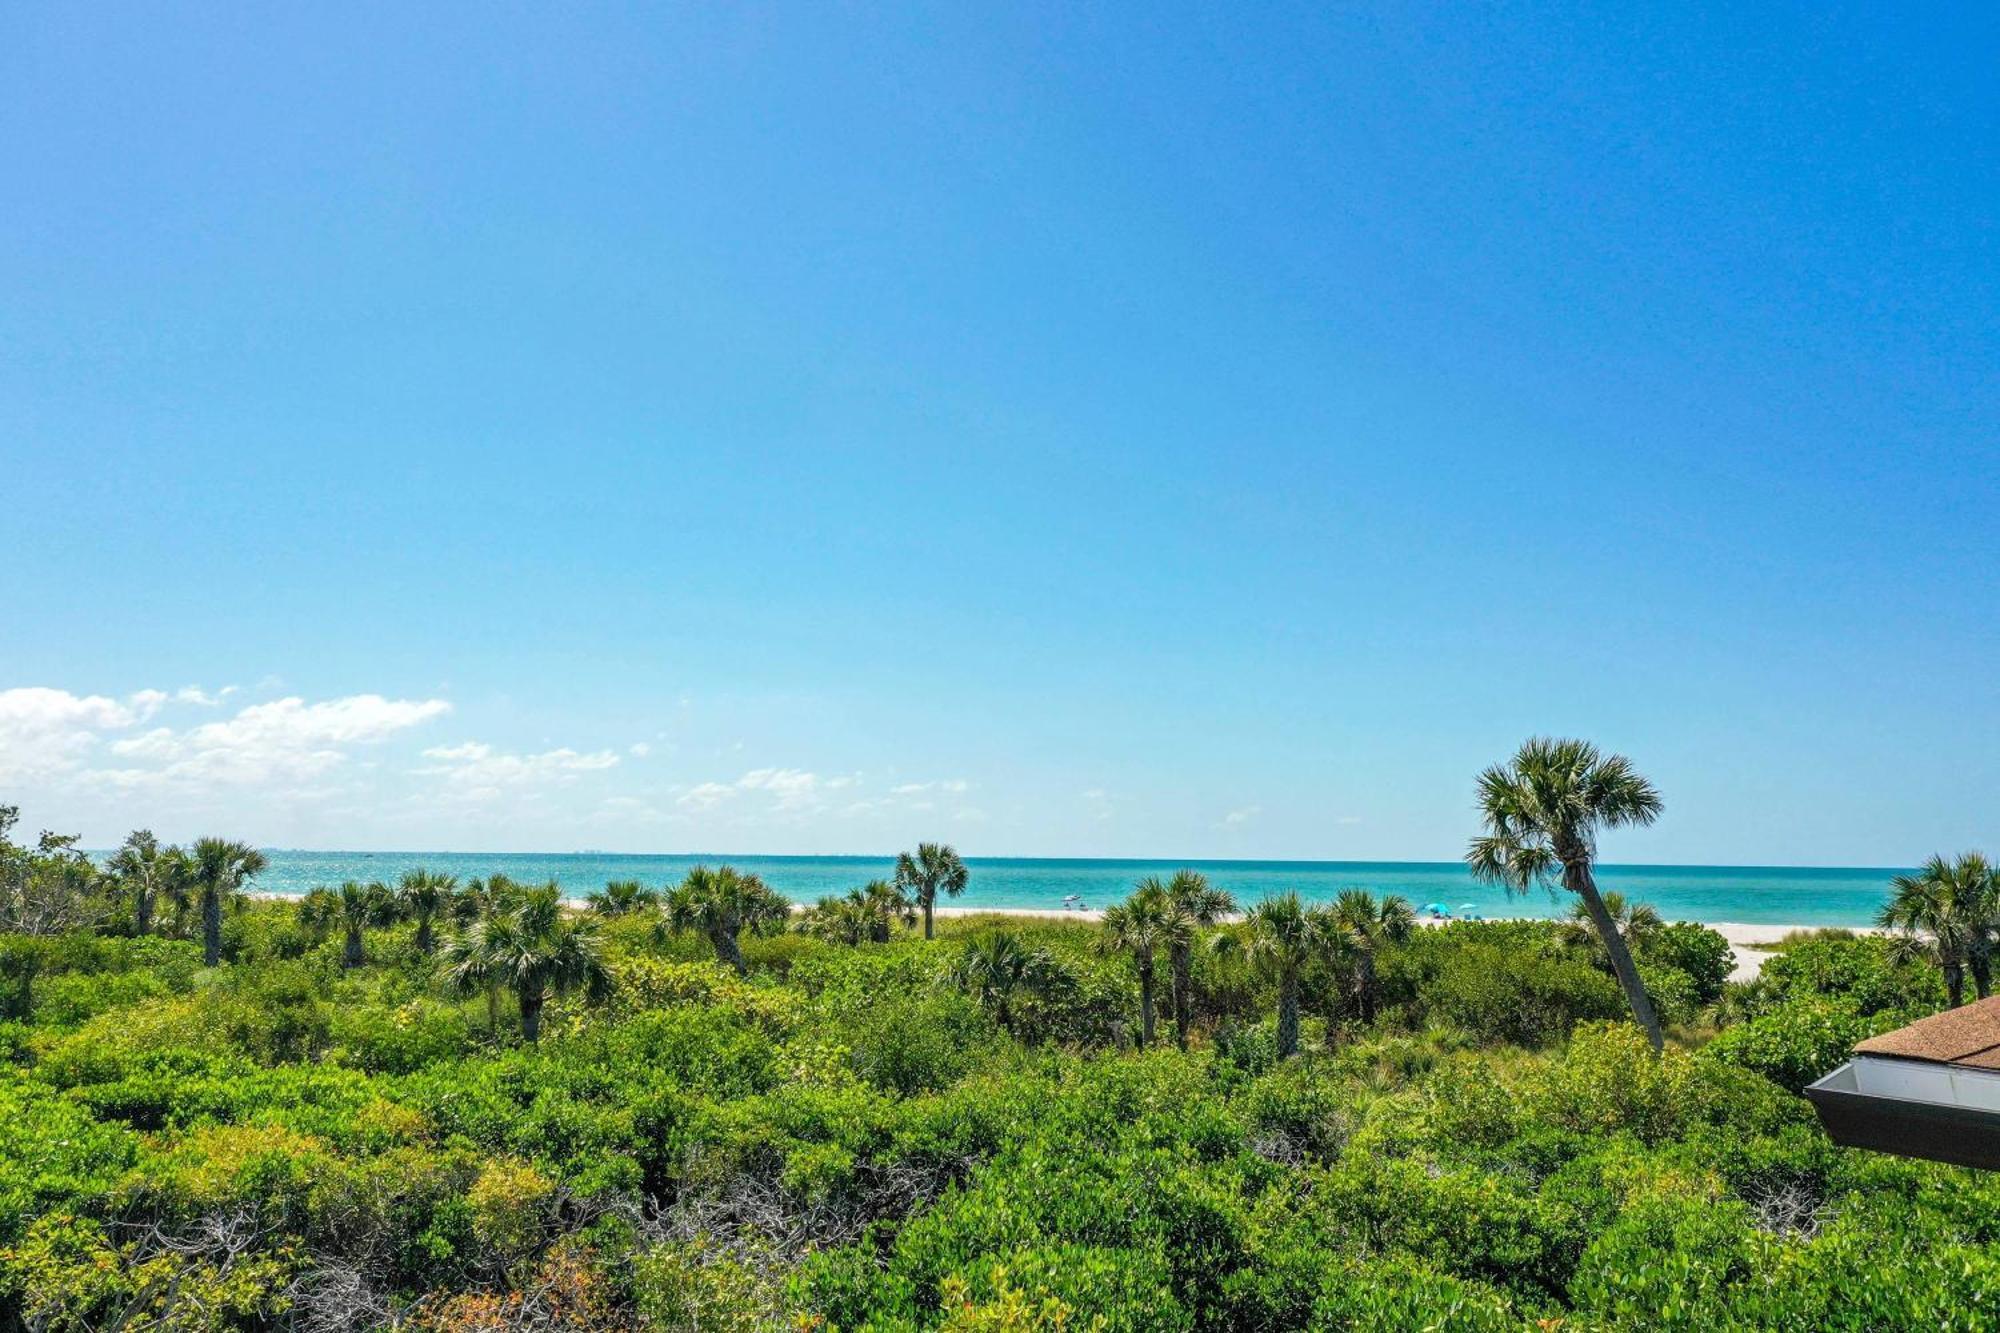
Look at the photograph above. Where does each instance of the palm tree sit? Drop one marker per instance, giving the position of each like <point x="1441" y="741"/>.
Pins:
<point x="998" y="971"/>
<point x="1363" y="925"/>
<point x="221" y="868"/>
<point x="533" y="948"/>
<point x="481" y="898"/>
<point x="1636" y="923"/>
<point x="180" y="893"/>
<point x="887" y="905"/>
<point x="145" y="868"/>
<point x="840" y="917"/>
<point x="721" y="904"/>
<point x="1143" y="925"/>
<point x="622" y="897"/>
<point x="867" y="914"/>
<point x="354" y="908"/>
<point x="317" y="911"/>
<point x="1197" y="904"/>
<point x="1543" y="812"/>
<point x="1284" y="940"/>
<point x="1946" y="914"/>
<point x="424" y="897"/>
<point x="933" y="866"/>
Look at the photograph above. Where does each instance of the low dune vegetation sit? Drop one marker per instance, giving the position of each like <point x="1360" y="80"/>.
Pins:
<point x="466" y="1106"/>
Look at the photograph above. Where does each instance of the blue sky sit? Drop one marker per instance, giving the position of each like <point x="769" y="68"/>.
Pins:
<point x="1068" y="430"/>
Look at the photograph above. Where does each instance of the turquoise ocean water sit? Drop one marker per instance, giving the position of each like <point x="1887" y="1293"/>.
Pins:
<point x="1796" y="895"/>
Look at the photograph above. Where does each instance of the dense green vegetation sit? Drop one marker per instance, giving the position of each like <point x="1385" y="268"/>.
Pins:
<point x="458" y="1106"/>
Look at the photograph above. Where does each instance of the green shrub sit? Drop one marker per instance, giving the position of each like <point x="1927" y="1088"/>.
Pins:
<point x="1798" y="1041"/>
<point x="1502" y="995"/>
<point x="1854" y="969"/>
<point x="1695" y="950"/>
<point x="1667" y="1262"/>
<point x="1609" y="1081"/>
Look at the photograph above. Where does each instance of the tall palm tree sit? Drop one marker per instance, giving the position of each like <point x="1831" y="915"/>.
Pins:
<point x="533" y="948"/>
<point x="623" y="897"/>
<point x="1197" y="904"/>
<point x="221" y="868"/>
<point x="424" y="896"/>
<point x="1543" y="812"/>
<point x="998" y="971"/>
<point x="1363" y="924"/>
<point x="1144" y="925"/>
<point x="1284" y="940"/>
<point x="934" y="866"/>
<point x="354" y="908"/>
<point x="1946" y="913"/>
<point x="723" y="903"/>
<point x="1636" y="923"/>
<point x="144" y="868"/>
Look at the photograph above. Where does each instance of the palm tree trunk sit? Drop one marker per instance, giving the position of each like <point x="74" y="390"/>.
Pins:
<point x="1364" y="985"/>
<point x="1145" y="1005"/>
<point x="425" y="940"/>
<point x="727" y="950"/>
<point x="492" y="1008"/>
<point x="354" y="956"/>
<point x="1182" y="980"/>
<point x="926" y="901"/>
<point x="211" y="928"/>
<point x="1979" y="960"/>
<point x="1288" y="1015"/>
<point x="142" y="910"/>
<point x="531" y="1015"/>
<point x="1954" y="983"/>
<point x="1578" y="880"/>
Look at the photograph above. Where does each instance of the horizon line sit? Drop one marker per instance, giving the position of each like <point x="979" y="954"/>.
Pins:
<point x="1109" y="860"/>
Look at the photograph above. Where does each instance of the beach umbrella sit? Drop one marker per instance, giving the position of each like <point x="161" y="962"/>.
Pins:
<point x="1437" y="909"/>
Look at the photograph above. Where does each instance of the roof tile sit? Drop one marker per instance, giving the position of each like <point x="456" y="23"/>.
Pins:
<point x="1969" y="1034"/>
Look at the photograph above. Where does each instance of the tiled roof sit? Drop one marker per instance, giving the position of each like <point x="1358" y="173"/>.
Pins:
<point x="1967" y="1035"/>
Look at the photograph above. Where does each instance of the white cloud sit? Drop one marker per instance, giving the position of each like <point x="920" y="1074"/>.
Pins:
<point x="279" y="741"/>
<point x="704" y="796"/>
<point x="477" y="771"/>
<point x="1096" y="803"/>
<point x="792" y="790"/>
<point x="51" y="736"/>
<point x="1239" y="817"/>
<point x="47" y="732"/>
<point x="639" y="749"/>
<point x="917" y="788"/>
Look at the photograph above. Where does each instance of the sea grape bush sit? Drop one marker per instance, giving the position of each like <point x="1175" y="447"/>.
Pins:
<point x="845" y="1137"/>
